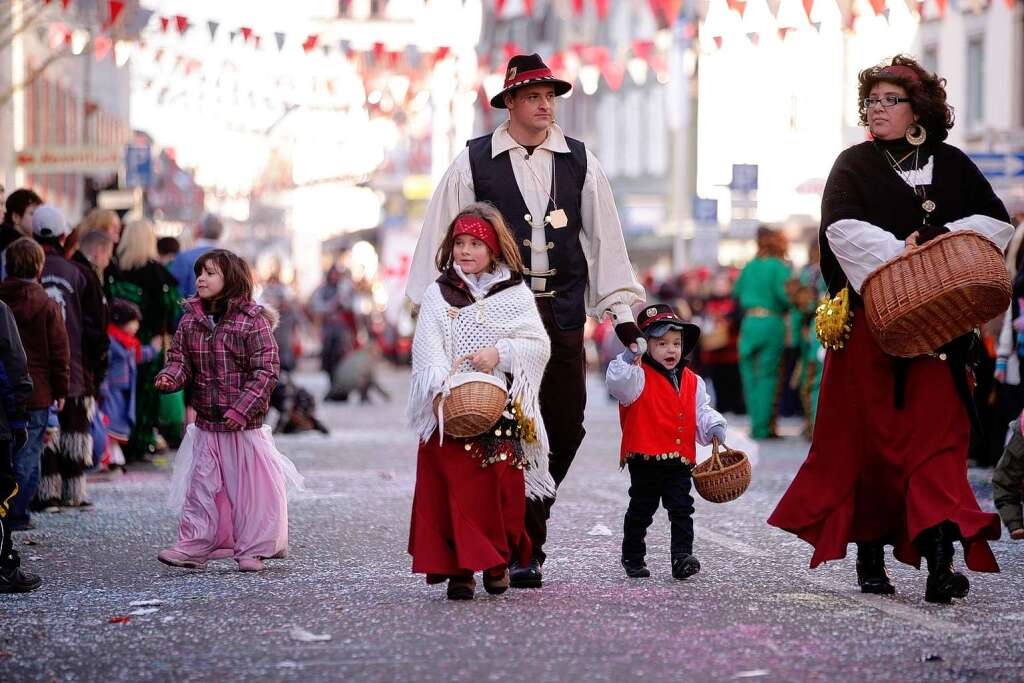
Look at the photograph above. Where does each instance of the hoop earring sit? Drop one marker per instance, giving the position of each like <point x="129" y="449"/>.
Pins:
<point x="916" y="134"/>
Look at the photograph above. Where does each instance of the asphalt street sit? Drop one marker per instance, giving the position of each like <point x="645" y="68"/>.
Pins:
<point x="344" y="605"/>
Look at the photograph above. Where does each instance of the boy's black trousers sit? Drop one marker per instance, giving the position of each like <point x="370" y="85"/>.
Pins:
<point x="653" y="482"/>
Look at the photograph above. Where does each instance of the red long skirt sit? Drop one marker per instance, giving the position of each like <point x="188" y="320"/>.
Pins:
<point x="465" y="518"/>
<point x="877" y="473"/>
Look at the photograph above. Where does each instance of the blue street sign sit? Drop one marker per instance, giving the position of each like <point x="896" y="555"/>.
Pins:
<point x="744" y="178"/>
<point x="138" y="166"/>
<point x="705" y="210"/>
<point x="998" y="165"/>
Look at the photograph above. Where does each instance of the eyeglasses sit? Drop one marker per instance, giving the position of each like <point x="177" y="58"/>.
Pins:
<point x="886" y="101"/>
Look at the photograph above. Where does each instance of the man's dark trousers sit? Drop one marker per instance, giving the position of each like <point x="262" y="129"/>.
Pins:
<point x="563" y="398"/>
<point x="8" y="489"/>
<point x="651" y="482"/>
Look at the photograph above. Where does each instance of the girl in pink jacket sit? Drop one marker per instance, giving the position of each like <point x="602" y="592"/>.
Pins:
<point x="229" y="479"/>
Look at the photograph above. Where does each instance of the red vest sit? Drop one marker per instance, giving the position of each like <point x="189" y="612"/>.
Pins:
<point x="661" y="420"/>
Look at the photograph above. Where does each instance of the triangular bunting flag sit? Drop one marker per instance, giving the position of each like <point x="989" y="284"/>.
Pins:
<point x="115" y="7"/>
<point x="182" y="24"/>
<point x="310" y="42"/>
<point x="279" y="39"/>
<point x="213" y="26"/>
<point x="246" y="33"/>
<point x="164" y="23"/>
<point x="602" y="9"/>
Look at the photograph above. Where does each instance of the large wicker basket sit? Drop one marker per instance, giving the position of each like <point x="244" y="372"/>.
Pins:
<point x="724" y="476"/>
<point x="474" y="405"/>
<point x="934" y="293"/>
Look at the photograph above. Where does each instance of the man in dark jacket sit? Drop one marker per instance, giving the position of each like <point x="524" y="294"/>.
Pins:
<point x="65" y="282"/>
<point x="94" y="254"/>
<point x="15" y="388"/>
<point x="46" y="346"/>
<point x="18" y="210"/>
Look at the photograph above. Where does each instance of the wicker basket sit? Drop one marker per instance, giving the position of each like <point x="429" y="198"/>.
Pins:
<point x="474" y="405"/>
<point x="724" y="476"/>
<point x="935" y="293"/>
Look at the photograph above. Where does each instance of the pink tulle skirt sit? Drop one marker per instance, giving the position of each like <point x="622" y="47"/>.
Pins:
<point x="230" y="490"/>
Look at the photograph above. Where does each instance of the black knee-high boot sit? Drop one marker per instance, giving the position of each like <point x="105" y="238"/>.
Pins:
<point x="871" y="574"/>
<point x="936" y="545"/>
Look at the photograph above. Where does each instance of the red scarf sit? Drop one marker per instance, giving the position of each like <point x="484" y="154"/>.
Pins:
<point x="129" y="341"/>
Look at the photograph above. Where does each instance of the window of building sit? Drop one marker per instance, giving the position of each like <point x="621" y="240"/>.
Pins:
<point x="975" y="82"/>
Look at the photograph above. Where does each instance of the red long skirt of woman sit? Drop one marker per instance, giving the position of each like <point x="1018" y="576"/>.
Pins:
<point x="875" y="472"/>
<point x="465" y="518"/>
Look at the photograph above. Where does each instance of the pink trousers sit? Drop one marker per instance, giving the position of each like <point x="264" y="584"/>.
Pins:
<point x="235" y="497"/>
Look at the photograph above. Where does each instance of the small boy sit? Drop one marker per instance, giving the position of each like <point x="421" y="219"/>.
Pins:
<point x="119" y="386"/>
<point x="1008" y="483"/>
<point x="664" y="411"/>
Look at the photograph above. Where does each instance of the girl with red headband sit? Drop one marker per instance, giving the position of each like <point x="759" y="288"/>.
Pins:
<point x="478" y="317"/>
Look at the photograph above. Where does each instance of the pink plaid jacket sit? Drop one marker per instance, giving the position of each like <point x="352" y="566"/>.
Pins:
<point x="231" y="367"/>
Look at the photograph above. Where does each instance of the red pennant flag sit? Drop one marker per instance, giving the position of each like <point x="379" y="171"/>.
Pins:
<point x="782" y="33"/>
<point x="1010" y="3"/>
<point x="878" y="6"/>
<point x="614" y="73"/>
<point x="65" y="3"/>
<point x="643" y="49"/>
<point x="393" y="57"/>
<point x="246" y="33"/>
<point x="529" y="6"/>
<point x="115" y="7"/>
<point x="102" y="45"/>
<point x="499" y="7"/>
<point x="182" y="24"/>
<point x="310" y="42"/>
<point x="718" y="40"/>
<point x="164" y="23"/>
<point x="441" y="53"/>
<point x="511" y="50"/>
<point x="257" y="41"/>
<point x="808" y="8"/>
<point x="378" y="52"/>
<point x="942" y="5"/>
<point x="577" y="7"/>
<point x="602" y="8"/>
<point x="739" y="5"/>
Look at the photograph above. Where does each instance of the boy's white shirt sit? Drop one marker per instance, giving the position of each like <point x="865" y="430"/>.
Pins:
<point x="625" y="381"/>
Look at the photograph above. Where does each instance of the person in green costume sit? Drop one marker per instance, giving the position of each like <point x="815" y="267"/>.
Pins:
<point x="761" y="292"/>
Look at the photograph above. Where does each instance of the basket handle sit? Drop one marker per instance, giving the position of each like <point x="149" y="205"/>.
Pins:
<point x="716" y="463"/>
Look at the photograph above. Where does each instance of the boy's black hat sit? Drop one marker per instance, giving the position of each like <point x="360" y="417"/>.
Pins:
<point x="122" y="311"/>
<point x="657" y="319"/>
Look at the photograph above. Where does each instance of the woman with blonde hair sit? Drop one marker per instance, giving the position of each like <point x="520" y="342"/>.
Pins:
<point x="102" y="219"/>
<point x="141" y="279"/>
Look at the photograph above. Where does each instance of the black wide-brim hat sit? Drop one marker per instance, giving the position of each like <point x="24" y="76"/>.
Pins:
<point x="662" y="315"/>
<point x="528" y="70"/>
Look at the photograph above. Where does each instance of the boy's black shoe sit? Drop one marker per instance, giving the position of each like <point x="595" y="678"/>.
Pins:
<point x="526" y="575"/>
<point x="685" y="566"/>
<point x="635" y="569"/>
<point x="16" y="581"/>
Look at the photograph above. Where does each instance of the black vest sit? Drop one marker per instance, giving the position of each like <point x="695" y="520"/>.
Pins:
<point x="494" y="182"/>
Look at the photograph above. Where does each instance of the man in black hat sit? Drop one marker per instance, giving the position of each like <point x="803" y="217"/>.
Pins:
<point x="559" y="205"/>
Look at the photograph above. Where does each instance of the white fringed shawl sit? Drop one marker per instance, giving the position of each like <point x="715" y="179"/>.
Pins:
<point x="444" y="333"/>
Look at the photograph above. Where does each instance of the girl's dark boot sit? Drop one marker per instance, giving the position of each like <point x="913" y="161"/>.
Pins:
<point x="871" y="574"/>
<point x="936" y="545"/>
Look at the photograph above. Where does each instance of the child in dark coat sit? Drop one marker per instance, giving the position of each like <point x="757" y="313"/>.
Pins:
<point x="119" y="386"/>
<point x="664" y="411"/>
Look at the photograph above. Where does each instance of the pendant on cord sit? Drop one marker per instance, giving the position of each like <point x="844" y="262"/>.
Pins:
<point x="557" y="219"/>
<point x="928" y="205"/>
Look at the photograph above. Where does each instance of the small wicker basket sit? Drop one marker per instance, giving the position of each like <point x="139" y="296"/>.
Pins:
<point x="474" y="405"/>
<point x="932" y="294"/>
<point x="724" y="476"/>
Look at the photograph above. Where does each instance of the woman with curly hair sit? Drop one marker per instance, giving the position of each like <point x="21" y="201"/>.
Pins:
<point x="888" y="458"/>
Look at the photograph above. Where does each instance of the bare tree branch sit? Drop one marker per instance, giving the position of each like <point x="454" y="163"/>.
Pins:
<point x="15" y="31"/>
<point x="6" y="95"/>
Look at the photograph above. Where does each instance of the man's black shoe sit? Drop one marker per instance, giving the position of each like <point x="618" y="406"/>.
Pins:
<point x="636" y="569"/>
<point x="684" y="566"/>
<point x="525" y="576"/>
<point x="16" y="581"/>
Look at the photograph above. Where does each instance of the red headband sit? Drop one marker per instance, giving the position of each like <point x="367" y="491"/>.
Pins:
<point x="479" y="228"/>
<point x="900" y="71"/>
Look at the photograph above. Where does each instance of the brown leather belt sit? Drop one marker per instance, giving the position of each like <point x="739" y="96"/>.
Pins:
<point x="760" y="312"/>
